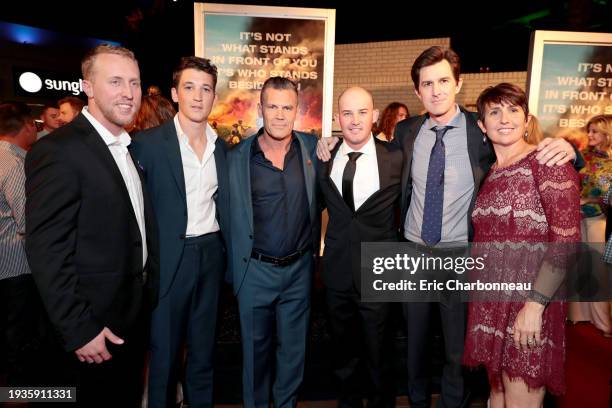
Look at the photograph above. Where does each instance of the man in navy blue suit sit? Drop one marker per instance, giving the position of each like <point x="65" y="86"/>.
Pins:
<point x="185" y="170"/>
<point x="275" y="230"/>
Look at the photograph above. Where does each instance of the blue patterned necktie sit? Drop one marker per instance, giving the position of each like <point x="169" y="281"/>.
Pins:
<point x="347" y="179"/>
<point x="431" y="229"/>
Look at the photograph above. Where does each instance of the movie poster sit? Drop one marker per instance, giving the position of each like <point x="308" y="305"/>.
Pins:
<point x="570" y="80"/>
<point x="249" y="44"/>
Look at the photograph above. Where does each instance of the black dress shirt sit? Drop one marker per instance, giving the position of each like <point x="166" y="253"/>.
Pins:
<point x="281" y="218"/>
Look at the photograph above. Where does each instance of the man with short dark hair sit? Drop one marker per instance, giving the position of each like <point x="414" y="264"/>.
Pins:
<point x="19" y="302"/>
<point x="274" y="229"/>
<point x="50" y="119"/>
<point x="186" y="173"/>
<point x="69" y="108"/>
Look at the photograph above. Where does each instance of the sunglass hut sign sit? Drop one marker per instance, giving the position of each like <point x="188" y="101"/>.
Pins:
<point x="34" y="82"/>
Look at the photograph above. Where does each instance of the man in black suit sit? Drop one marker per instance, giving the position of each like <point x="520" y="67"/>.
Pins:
<point x="91" y="238"/>
<point x="361" y="187"/>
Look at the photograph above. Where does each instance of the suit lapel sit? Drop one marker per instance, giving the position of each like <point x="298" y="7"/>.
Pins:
<point x="221" y="166"/>
<point x="474" y="143"/>
<point x="408" y="149"/>
<point x="173" y="152"/>
<point x="330" y="165"/>
<point x="309" y="173"/>
<point x="383" y="165"/>
<point x="149" y="217"/>
<point x="244" y="178"/>
<point x="384" y="174"/>
<point x="97" y="146"/>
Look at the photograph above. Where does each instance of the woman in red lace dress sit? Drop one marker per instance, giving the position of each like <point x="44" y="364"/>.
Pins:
<point x="522" y="208"/>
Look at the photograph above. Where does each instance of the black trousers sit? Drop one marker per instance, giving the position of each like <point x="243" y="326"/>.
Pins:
<point x="362" y="342"/>
<point x="21" y="313"/>
<point x="418" y="318"/>
<point x="117" y="382"/>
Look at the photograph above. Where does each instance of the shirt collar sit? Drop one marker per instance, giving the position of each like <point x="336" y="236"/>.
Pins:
<point x="368" y="149"/>
<point x="123" y="139"/>
<point x="454" y="122"/>
<point x="211" y="135"/>
<point x="256" y="148"/>
<point x="14" y="149"/>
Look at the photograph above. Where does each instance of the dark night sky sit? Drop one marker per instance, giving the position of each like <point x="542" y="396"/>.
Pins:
<point x="497" y="38"/>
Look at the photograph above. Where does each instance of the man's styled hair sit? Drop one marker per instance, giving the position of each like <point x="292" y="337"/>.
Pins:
<point x="88" y="60"/>
<point x="432" y="56"/>
<point x="76" y="103"/>
<point x="48" y="106"/>
<point x="277" y="83"/>
<point x="197" y="63"/>
<point x="13" y="117"/>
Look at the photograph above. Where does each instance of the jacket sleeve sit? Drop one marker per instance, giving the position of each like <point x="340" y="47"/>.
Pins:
<point x="52" y="205"/>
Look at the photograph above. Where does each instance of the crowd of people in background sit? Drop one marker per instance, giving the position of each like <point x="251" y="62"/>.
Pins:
<point x="122" y="216"/>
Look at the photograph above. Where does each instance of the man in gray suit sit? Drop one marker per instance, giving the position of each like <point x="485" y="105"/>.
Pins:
<point x="275" y="229"/>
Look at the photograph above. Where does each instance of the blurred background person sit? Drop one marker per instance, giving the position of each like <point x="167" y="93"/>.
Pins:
<point x="69" y="108"/>
<point x="50" y="119"/>
<point x="20" y="306"/>
<point x="154" y="110"/>
<point x="595" y="177"/>
<point x="393" y="113"/>
<point x="597" y="173"/>
<point x="153" y="90"/>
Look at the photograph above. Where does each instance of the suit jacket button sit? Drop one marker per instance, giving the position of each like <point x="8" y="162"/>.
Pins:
<point x="244" y="259"/>
<point x="250" y="236"/>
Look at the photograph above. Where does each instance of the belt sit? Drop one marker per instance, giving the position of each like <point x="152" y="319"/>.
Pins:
<point x="201" y="240"/>
<point x="440" y="251"/>
<point x="198" y="237"/>
<point x="284" y="261"/>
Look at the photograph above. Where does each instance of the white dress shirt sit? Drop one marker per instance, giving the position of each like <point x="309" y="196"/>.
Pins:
<point x="366" y="181"/>
<point x="200" y="183"/>
<point x="118" y="148"/>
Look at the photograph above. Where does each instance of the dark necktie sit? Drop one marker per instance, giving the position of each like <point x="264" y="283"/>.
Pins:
<point x="431" y="229"/>
<point x="347" y="179"/>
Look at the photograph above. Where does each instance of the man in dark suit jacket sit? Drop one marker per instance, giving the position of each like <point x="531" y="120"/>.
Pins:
<point x="186" y="174"/>
<point x="275" y="233"/>
<point x="91" y="238"/>
<point x="360" y="210"/>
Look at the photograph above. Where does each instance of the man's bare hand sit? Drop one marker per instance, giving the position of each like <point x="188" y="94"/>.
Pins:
<point x="553" y="151"/>
<point x="324" y="146"/>
<point x="95" y="351"/>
